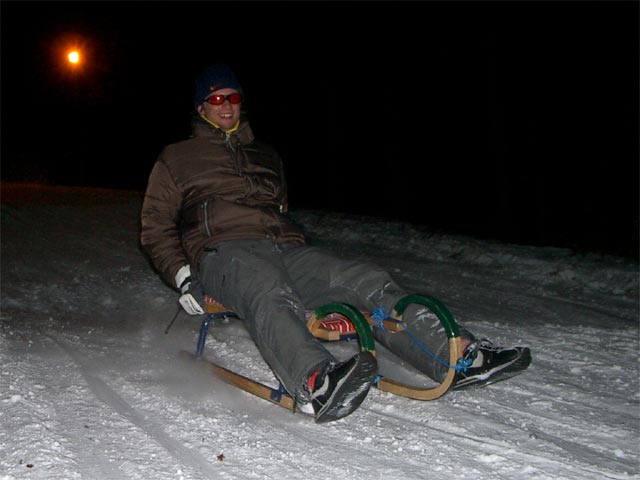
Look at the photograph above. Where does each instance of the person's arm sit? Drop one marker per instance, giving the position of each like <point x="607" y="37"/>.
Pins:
<point x="160" y="235"/>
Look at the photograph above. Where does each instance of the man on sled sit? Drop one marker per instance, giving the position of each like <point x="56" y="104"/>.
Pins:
<point x="214" y="222"/>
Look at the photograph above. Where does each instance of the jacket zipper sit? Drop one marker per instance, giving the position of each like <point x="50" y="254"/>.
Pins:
<point x="227" y="141"/>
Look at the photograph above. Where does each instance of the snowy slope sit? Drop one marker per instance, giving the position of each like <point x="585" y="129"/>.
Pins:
<point x="92" y="388"/>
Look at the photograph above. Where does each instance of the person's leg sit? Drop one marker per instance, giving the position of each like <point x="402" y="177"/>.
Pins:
<point x="250" y="278"/>
<point x="321" y="277"/>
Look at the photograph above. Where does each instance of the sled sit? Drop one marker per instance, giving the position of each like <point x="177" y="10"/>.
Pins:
<point x="335" y="322"/>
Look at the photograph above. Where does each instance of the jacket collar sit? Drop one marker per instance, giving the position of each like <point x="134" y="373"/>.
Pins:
<point x="242" y="134"/>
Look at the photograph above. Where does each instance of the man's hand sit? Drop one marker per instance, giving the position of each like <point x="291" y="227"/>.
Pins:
<point x="192" y="299"/>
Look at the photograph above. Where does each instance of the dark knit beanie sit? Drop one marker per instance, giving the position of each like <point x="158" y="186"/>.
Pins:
<point x="214" y="77"/>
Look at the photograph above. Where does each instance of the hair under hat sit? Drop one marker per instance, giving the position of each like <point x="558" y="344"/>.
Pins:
<point x="214" y="77"/>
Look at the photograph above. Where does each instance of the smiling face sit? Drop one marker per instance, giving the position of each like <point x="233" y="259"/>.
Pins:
<point x="225" y="115"/>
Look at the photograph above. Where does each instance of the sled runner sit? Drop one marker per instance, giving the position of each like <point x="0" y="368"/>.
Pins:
<point x="335" y="322"/>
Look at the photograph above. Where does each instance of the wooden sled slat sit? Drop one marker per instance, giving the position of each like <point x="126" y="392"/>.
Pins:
<point x="318" y="328"/>
<point x="248" y="385"/>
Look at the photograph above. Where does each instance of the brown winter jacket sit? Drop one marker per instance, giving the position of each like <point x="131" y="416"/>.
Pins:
<point x="211" y="188"/>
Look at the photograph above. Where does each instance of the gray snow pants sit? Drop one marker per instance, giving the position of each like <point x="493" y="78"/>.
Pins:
<point x="271" y="285"/>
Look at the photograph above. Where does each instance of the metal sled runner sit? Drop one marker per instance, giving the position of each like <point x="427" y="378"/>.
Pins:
<point x="339" y="321"/>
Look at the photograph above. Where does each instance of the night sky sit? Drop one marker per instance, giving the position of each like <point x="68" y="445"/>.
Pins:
<point x="514" y="121"/>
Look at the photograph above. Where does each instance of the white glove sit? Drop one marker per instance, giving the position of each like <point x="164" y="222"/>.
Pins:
<point x="192" y="299"/>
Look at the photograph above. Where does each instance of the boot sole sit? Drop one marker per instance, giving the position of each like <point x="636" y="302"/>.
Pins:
<point x="348" y="396"/>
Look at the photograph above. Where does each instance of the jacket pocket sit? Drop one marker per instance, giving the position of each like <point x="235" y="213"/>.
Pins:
<point x="204" y="207"/>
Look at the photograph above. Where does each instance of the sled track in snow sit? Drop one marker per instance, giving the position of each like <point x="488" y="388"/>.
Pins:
<point x="152" y="429"/>
<point x="494" y="447"/>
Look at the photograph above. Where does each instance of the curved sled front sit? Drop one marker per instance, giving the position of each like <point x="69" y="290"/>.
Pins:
<point x="455" y="350"/>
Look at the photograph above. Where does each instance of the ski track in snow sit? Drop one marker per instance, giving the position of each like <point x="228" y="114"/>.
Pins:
<point x="149" y="428"/>
<point x="92" y="388"/>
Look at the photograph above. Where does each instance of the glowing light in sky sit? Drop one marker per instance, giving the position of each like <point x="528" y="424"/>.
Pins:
<point x="73" y="57"/>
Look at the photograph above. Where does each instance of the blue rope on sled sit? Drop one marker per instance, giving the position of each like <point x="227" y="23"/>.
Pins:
<point x="379" y="315"/>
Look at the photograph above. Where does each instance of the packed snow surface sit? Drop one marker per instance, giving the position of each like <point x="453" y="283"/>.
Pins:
<point x="92" y="388"/>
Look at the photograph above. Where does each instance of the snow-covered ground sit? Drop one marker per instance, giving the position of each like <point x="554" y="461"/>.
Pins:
<point x="92" y="388"/>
